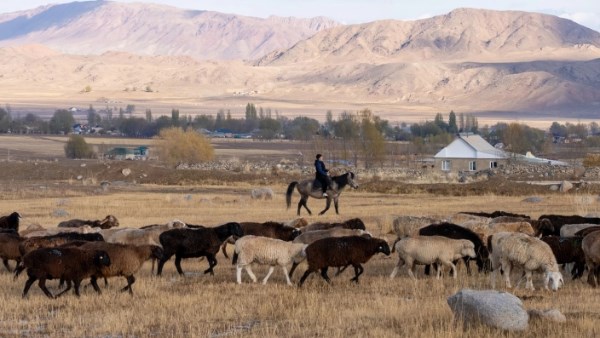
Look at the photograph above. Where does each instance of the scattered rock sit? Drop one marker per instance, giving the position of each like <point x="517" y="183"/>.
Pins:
<point x="83" y="165"/>
<point x="554" y="187"/>
<point x="126" y="172"/>
<point x="497" y="309"/>
<point x="79" y="177"/>
<point x="63" y="202"/>
<point x="565" y="186"/>
<point x="551" y="315"/>
<point x="104" y="185"/>
<point x="533" y="199"/>
<point x="188" y="197"/>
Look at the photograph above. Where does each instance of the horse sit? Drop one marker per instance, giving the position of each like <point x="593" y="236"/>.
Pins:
<point x="308" y="188"/>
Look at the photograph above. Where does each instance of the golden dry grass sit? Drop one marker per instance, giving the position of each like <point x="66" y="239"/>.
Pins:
<point x="205" y="306"/>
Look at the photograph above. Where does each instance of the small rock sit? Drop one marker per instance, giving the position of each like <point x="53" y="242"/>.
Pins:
<point x="79" y="177"/>
<point x="551" y="315"/>
<point x="188" y="197"/>
<point x="126" y="172"/>
<point x="144" y="175"/>
<point x="83" y="165"/>
<point x="497" y="309"/>
<point x="565" y="186"/>
<point x="533" y="199"/>
<point x="554" y="187"/>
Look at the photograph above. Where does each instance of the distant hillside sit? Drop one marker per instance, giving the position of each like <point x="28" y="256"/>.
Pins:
<point x="94" y="27"/>
<point x="463" y="34"/>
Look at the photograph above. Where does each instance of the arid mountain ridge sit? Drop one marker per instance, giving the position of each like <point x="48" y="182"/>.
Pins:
<point x="467" y="60"/>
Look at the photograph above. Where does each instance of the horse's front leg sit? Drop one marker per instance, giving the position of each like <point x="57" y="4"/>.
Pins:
<point x="326" y="206"/>
<point x="335" y="204"/>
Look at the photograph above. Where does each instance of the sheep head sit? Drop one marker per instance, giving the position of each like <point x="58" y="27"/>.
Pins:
<point x="382" y="247"/>
<point x="156" y="252"/>
<point x="235" y="229"/>
<point x="468" y="249"/>
<point x="555" y="278"/>
<point x="101" y="258"/>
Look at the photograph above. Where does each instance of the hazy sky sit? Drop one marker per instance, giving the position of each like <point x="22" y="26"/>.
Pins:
<point x="585" y="12"/>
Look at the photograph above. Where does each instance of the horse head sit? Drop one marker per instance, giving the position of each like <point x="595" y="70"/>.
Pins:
<point x="350" y="177"/>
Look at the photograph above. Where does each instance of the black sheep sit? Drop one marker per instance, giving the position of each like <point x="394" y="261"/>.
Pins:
<point x="10" y="222"/>
<point x="70" y="264"/>
<point x="268" y="229"/>
<point x="354" y="223"/>
<point x="340" y="252"/>
<point x="188" y="243"/>
<point x="458" y="232"/>
<point x="493" y="214"/>
<point x="559" y="220"/>
<point x="568" y="250"/>
<point x="108" y="222"/>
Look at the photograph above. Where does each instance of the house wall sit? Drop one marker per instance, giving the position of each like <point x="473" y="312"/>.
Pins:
<point x="462" y="164"/>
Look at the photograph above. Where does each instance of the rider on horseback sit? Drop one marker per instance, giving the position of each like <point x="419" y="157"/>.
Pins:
<point x="322" y="174"/>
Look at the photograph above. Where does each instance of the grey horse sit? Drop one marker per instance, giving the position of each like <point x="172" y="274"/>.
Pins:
<point x="312" y="188"/>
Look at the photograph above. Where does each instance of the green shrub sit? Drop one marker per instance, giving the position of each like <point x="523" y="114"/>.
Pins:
<point x="76" y="147"/>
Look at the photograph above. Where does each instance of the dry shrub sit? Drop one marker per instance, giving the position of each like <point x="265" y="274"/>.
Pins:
<point x="178" y="146"/>
<point x="591" y="160"/>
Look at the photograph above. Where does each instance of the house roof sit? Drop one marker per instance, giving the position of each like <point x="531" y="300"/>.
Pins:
<point x="471" y="146"/>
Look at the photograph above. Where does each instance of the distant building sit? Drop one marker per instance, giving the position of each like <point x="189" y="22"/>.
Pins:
<point x="469" y="152"/>
<point x="128" y="153"/>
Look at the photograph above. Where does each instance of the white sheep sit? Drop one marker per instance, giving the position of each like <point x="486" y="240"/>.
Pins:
<point x="431" y="249"/>
<point x="513" y="249"/>
<point x="266" y="251"/>
<point x="569" y="230"/>
<point x="311" y="236"/>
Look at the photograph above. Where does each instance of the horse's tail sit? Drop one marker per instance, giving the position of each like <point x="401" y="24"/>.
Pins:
<point x="288" y="194"/>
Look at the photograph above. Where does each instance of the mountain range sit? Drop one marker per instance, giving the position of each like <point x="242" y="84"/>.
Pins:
<point x="469" y="60"/>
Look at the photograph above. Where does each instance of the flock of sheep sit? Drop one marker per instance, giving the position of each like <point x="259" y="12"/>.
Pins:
<point x="77" y="250"/>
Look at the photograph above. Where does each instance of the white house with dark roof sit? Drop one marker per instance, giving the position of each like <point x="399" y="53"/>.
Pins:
<point x="469" y="152"/>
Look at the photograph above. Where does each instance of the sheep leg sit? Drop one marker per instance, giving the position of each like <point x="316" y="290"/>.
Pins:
<point x="358" y="270"/>
<point x="212" y="262"/>
<point x="238" y="274"/>
<point x="467" y="261"/>
<point x="287" y="278"/>
<point x="161" y="263"/>
<point x="529" y="282"/>
<point x="506" y="268"/>
<point x="77" y="285"/>
<point x="304" y="276"/>
<point x="294" y="266"/>
<point x="251" y="273"/>
<point x="271" y="269"/>
<point x="69" y="285"/>
<point x="42" y="285"/>
<point x="130" y="281"/>
<point x="324" y="275"/>
<point x="178" y="264"/>
<point x="224" y="249"/>
<point x="5" y="262"/>
<point x="439" y="271"/>
<point x="410" y="266"/>
<point x="28" y="284"/>
<point x="396" y="268"/>
<point x="453" y="267"/>
<point x="94" y="282"/>
<point x="340" y="270"/>
<point x="327" y="206"/>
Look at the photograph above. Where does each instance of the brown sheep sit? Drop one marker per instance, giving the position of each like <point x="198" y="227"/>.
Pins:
<point x="587" y="231"/>
<point x="9" y="248"/>
<point x="125" y="259"/>
<point x="591" y="249"/>
<point x="268" y="229"/>
<point x="70" y="264"/>
<point x="108" y="222"/>
<point x="342" y="251"/>
<point x="30" y="244"/>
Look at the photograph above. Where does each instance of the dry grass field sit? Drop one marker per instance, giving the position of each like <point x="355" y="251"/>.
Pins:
<point x="206" y="306"/>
